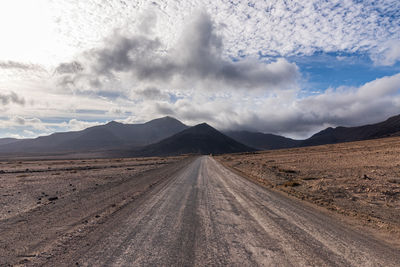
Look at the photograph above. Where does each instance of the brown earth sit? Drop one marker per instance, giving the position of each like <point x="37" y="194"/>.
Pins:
<point x="360" y="180"/>
<point x="45" y="201"/>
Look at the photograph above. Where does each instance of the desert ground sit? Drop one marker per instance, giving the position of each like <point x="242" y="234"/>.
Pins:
<point x="359" y="180"/>
<point x="44" y="201"/>
<point x="195" y="211"/>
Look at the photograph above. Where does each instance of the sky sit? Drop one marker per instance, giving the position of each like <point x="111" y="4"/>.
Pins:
<point x="284" y="67"/>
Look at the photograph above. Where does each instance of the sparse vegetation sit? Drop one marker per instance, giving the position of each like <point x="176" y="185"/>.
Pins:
<point x="358" y="179"/>
<point x="291" y="184"/>
<point x="309" y="178"/>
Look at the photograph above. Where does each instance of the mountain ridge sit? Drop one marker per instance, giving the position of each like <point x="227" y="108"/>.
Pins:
<point x="340" y="134"/>
<point x="141" y="139"/>
<point x="101" y="137"/>
<point x="263" y="141"/>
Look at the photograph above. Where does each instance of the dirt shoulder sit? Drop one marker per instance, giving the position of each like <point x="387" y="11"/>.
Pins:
<point x="359" y="180"/>
<point x="45" y="204"/>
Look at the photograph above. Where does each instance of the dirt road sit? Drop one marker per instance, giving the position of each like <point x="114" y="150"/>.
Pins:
<point x="197" y="214"/>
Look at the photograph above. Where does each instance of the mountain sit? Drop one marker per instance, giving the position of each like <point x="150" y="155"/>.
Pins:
<point x="146" y="133"/>
<point x="262" y="141"/>
<point x="200" y="139"/>
<point x="4" y="141"/>
<point x="390" y="127"/>
<point x="103" y="137"/>
<point x="168" y="136"/>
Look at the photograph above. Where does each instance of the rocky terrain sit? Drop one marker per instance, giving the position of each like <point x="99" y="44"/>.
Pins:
<point x="360" y="180"/>
<point x="26" y="185"/>
<point x="47" y="203"/>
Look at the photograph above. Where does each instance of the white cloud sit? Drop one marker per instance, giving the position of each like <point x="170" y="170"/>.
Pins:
<point x="59" y="30"/>
<point x="18" y="65"/>
<point x="77" y="125"/>
<point x="21" y="127"/>
<point x="19" y="122"/>
<point x="281" y="112"/>
<point x="33" y="123"/>
<point x="27" y="134"/>
<point x="195" y="61"/>
<point x="388" y="53"/>
<point x="12" y="97"/>
<point x="276" y="111"/>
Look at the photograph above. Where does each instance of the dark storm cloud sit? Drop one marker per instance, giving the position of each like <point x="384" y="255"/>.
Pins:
<point x="137" y="55"/>
<point x="197" y="57"/>
<point x="201" y="56"/>
<point x="12" y="97"/>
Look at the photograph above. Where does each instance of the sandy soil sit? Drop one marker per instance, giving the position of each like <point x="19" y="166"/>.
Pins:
<point x="360" y="180"/>
<point x="25" y="185"/>
<point x="46" y="203"/>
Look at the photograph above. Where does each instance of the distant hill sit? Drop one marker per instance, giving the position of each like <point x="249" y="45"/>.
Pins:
<point x="4" y="141"/>
<point x="263" y="141"/>
<point x="200" y="139"/>
<point x="390" y="127"/>
<point x="109" y="136"/>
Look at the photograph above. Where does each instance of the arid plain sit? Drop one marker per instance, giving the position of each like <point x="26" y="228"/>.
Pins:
<point x="46" y="203"/>
<point x="360" y="180"/>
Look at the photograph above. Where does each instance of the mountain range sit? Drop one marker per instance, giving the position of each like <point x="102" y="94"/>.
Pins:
<point x="199" y="139"/>
<point x="387" y="128"/>
<point x="112" y="135"/>
<point x="263" y="141"/>
<point x="168" y="136"/>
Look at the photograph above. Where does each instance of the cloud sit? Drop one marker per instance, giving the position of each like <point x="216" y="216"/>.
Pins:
<point x="293" y="28"/>
<point x="283" y="113"/>
<point x="388" y="53"/>
<point x="349" y="106"/>
<point x="274" y="27"/>
<point x="148" y="22"/>
<point x="197" y="59"/>
<point x="18" y="65"/>
<point x="373" y="102"/>
<point x="200" y="55"/>
<point x="11" y="97"/>
<point x="25" y="127"/>
<point x="19" y="120"/>
<point x="77" y="125"/>
<point x="19" y="124"/>
<point x="279" y="111"/>
<point x="72" y="67"/>
<point x="34" y="123"/>
<point x="152" y="93"/>
<point x="120" y="112"/>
